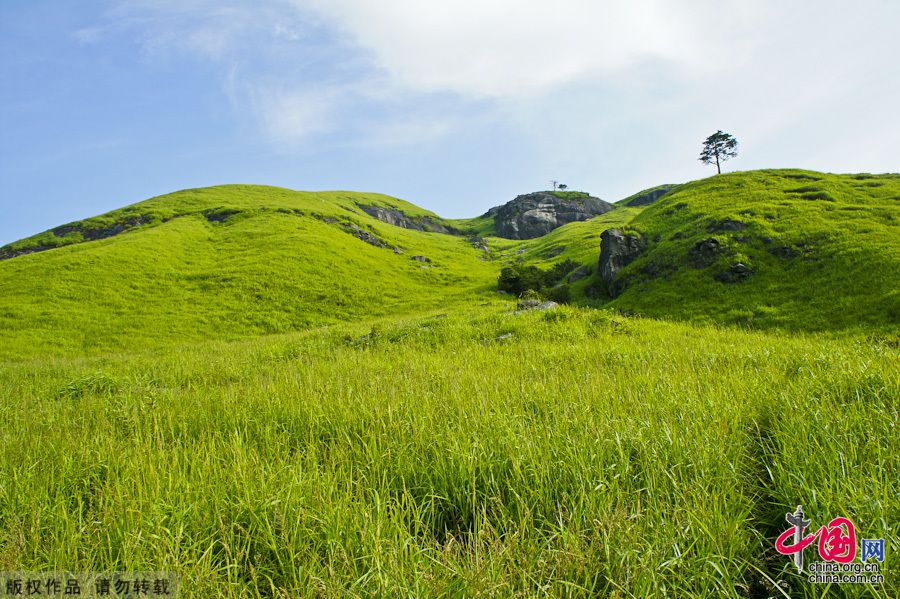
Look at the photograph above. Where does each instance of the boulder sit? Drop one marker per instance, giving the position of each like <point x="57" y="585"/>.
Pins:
<point x="617" y="249"/>
<point x="536" y="214"/>
<point x="534" y="304"/>
<point x="735" y="274"/>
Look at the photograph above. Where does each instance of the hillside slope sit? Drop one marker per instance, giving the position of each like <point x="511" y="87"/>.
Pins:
<point x="820" y="251"/>
<point x="226" y="262"/>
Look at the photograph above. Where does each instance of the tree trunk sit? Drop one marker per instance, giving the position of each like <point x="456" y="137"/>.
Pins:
<point x="718" y="168"/>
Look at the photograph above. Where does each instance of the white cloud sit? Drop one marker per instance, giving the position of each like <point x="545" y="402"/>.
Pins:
<point x="508" y="47"/>
<point x="577" y="79"/>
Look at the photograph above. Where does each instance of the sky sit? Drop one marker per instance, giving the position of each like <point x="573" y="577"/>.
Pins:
<point x="456" y="106"/>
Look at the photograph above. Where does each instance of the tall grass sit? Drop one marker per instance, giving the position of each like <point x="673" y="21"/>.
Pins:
<point x="586" y="454"/>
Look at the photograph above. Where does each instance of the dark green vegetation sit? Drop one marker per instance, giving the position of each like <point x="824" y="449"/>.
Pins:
<point x="517" y="279"/>
<point x="275" y="394"/>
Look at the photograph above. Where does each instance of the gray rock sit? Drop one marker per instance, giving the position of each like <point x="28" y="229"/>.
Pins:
<point x="534" y="304"/>
<point x="735" y="274"/>
<point x="421" y="259"/>
<point x="399" y="219"/>
<point x="785" y="251"/>
<point x="528" y="303"/>
<point x="536" y="214"/>
<point x="580" y="273"/>
<point x="726" y="224"/>
<point x="617" y="250"/>
<point x="479" y="243"/>
<point x="220" y="215"/>
<point x="368" y="237"/>
<point x="704" y="252"/>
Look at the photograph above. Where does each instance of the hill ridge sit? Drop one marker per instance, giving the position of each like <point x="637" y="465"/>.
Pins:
<point x="239" y="261"/>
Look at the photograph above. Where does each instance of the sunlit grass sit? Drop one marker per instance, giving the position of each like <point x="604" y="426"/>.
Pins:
<point x="587" y="453"/>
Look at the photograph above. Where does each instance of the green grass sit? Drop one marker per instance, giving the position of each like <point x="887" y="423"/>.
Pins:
<point x="239" y="389"/>
<point x="843" y="238"/>
<point x="587" y="454"/>
<point x="570" y="195"/>
<point x="480" y="226"/>
<point x="276" y="265"/>
<point x="624" y="201"/>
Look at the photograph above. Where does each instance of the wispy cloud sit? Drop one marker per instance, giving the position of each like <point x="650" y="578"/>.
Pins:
<point x="294" y="116"/>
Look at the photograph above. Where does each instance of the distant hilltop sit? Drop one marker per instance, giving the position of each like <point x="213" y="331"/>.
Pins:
<point x="535" y="214"/>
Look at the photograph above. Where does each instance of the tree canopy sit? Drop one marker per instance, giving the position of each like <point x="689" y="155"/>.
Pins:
<point x="717" y="148"/>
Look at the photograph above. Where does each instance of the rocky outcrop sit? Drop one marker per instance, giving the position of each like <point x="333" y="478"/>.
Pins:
<point x="735" y="274"/>
<point x="726" y="224"/>
<point x="368" y="237"/>
<point x="704" y="252"/>
<point x="219" y="215"/>
<point x="535" y="214"/>
<point x="88" y="230"/>
<point x="645" y="198"/>
<point x="617" y="249"/>
<point x="397" y="218"/>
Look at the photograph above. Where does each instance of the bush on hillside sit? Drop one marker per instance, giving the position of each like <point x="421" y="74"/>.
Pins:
<point x="517" y="279"/>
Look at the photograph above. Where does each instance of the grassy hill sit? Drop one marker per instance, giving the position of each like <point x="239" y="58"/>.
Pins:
<point x="226" y="262"/>
<point x="275" y="394"/>
<point x="236" y="261"/>
<point x="823" y="251"/>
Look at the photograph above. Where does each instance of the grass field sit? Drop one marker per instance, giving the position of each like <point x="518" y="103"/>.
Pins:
<point x="585" y="454"/>
<point x="241" y="389"/>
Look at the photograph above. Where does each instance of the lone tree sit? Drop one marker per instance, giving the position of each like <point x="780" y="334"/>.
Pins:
<point x="718" y="148"/>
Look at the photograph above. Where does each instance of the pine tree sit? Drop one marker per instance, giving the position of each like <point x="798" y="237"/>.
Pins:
<point x="718" y="148"/>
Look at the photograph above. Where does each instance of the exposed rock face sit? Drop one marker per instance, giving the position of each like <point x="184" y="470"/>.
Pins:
<point x="649" y="197"/>
<point x="704" y="252"/>
<point x="368" y="237"/>
<point x="399" y="219"/>
<point x="726" y="224"/>
<point x="88" y="233"/>
<point x="219" y="215"/>
<point x="735" y="274"/>
<point x="535" y="214"/>
<point x="617" y="249"/>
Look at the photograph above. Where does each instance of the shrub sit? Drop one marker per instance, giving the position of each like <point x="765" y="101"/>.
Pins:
<point x="517" y="279"/>
<point x="561" y="294"/>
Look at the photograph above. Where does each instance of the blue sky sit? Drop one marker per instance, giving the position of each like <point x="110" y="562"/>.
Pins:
<point x="456" y="106"/>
